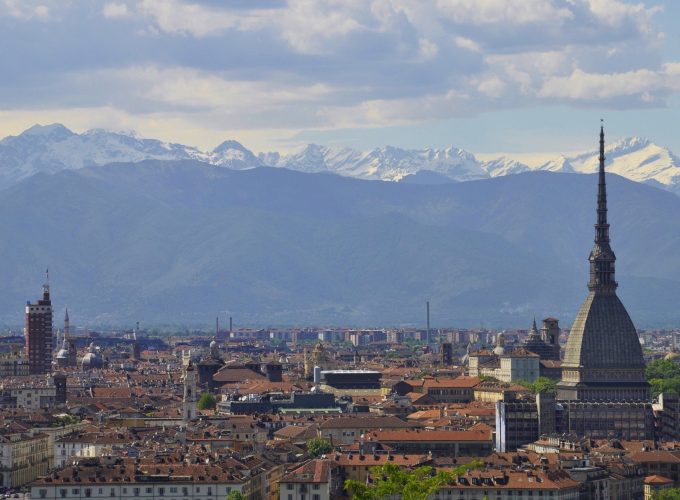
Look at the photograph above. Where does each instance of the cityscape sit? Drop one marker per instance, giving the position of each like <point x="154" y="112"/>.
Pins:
<point x="351" y="320"/>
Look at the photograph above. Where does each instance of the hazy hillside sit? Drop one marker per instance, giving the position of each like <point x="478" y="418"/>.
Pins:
<point x="181" y="241"/>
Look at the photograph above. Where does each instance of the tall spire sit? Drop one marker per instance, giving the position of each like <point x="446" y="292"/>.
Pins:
<point x="46" y="285"/>
<point x="602" y="257"/>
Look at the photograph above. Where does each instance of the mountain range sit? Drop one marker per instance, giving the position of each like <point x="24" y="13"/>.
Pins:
<point x="51" y="148"/>
<point x="168" y="241"/>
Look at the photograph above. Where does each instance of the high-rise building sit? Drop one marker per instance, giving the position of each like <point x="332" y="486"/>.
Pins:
<point x="39" y="332"/>
<point x="603" y="358"/>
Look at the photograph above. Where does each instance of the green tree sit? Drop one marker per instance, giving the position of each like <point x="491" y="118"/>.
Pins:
<point x="391" y="481"/>
<point x="669" y="494"/>
<point x="664" y="376"/>
<point x="318" y="446"/>
<point x="207" y="402"/>
<point x="662" y="368"/>
<point x="236" y="495"/>
<point x="542" y="385"/>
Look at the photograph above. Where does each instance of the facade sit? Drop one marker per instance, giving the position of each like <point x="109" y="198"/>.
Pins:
<point x="311" y="481"/>
<point x="603" y="358"/>
<point x="190" y="397"/>
<point x="122" y="479"/>
<point x="13" y="364"/>
<point x="509" y="484"/>
<point x="24" y="455"/>
<point x="39" y="333"/>
<point x="508" y="366"/>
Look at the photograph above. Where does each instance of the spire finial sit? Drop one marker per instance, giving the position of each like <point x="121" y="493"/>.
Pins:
<point x="602" y="257"/>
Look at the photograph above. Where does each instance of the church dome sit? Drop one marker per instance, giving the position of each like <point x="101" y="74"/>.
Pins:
<point x="93" y="359"/>
<point x="603" y="336"/>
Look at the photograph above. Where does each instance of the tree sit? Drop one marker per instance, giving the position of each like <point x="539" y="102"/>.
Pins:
<point x="542" y="385"/>
<point x="318" y="446"/>
<point x="664" y="376"/>
<point x="669" y="494"/>
<point x="236" y="495"/>
<point x="207" y="402"/>
<point x="391" y="481"/>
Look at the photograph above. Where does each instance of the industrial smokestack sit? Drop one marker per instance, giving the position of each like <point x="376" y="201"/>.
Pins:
<point x="230" y="325"/>
<point x="428" y="321"/>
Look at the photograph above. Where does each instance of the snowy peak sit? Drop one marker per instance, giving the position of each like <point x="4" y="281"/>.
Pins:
<point x="636" y="159"/>
<point x="53" y="131"/>
<point x="561" y="164"/>
<point x="232" y="154"/>
<point x="53" y="147"/>
<point x="504" y="166"/>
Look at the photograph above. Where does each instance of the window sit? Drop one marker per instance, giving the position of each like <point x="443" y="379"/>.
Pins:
<point x="75" y="491"/>
<point x="149" y="490"/>
<point x="161" y="491"/>
<point x="209" y="490"/>
<point x="185" y="490"/>
<point x="289" y="486"/>
<point x="88" y="492"/>
<point x="113" y="492"/>
<point x="101" y="491"/>
<point x="317" y="497"/>
<point x="62" y="493"/>
<point x="316" y="486"/>
<point x="173" y="489"/>
<point x="290" y="497"/>
<point x="135" y="491"/>
<point x="43" y="493"/>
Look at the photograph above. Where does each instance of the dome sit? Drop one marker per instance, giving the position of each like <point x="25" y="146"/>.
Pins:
<point x="499" y="350"/>
<point x="603" y="336"/>
<point x="93" y="358"/>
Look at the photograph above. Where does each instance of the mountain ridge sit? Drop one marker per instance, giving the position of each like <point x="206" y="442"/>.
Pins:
<point x="51" y="148"/>
<point x="178" y="241"/>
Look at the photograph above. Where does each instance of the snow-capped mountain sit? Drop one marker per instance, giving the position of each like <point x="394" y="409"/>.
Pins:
<point x="634" y="158"/>
<point x="51" y="148"/>
<point x="504" y="166"/>
<point x="388" y="163"/>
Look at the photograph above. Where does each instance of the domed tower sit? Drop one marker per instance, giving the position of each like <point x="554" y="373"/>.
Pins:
<point x="603" y="358"/>
<point x="499" y="350"/>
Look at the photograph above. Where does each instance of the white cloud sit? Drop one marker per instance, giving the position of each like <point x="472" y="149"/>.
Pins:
<point x="24" y="9"/>
<point x="115" y="10"/>
<point x="645" y="84"/>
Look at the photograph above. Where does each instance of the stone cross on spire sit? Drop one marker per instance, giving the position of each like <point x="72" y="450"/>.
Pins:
<point x="602" y="257"/>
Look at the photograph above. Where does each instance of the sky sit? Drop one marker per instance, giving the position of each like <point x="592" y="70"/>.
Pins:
<point x="515" y="76"/>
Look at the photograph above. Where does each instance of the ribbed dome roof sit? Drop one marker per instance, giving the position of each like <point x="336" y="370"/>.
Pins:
<point x="603" y="336"/>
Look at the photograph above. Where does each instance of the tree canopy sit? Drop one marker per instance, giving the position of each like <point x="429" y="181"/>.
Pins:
<point x="207" y="402"/>
<point x="664" y="376"/>
<point x="669" y="494"/>
<point x="236" y="495"/>
<point x="542" y="385"/>
<point x="390" y="480"/>
<point x="318" y="446"/>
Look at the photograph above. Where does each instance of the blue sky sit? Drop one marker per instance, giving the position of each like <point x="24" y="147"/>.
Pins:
<point x="489" y="76"/>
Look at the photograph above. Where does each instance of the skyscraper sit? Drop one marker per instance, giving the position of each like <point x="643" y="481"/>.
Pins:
<point x="39" y="332"/>
<point x="603" y="358"/>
